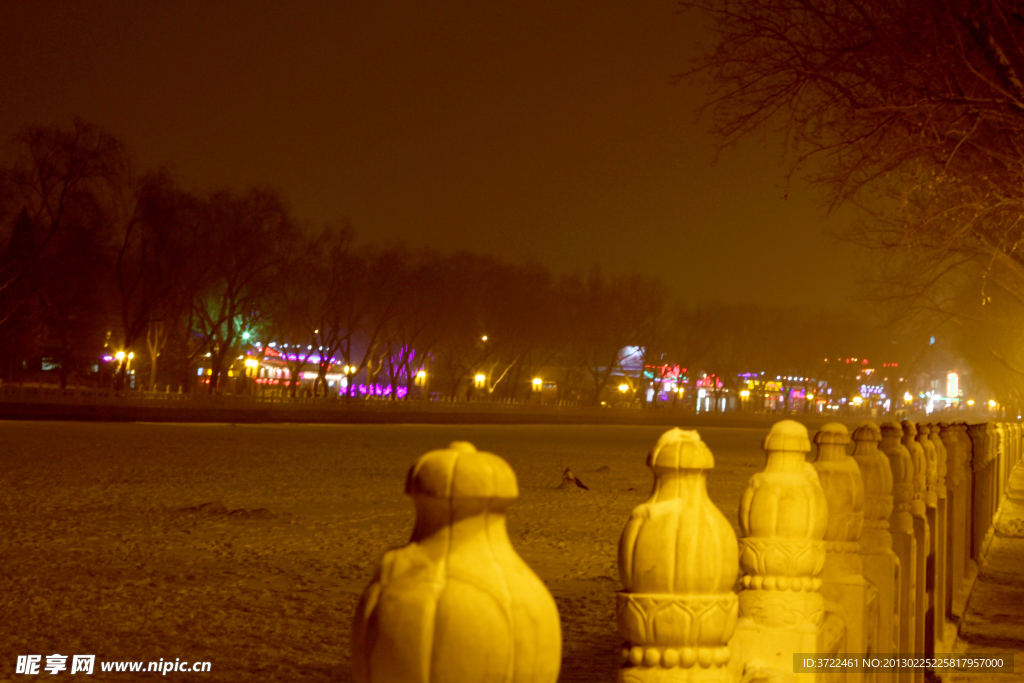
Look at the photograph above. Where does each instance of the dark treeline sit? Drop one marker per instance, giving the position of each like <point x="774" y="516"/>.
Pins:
<point x="97" y="259"/>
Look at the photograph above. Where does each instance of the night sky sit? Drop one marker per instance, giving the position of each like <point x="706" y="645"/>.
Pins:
<point x="523" y="129"/>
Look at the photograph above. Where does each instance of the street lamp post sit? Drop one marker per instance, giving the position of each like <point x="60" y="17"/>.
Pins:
<point x="421" y="382"/>
<point x="125" y="361"/>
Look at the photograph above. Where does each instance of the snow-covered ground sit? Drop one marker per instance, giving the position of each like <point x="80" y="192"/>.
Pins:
<point x="248" y="546"/>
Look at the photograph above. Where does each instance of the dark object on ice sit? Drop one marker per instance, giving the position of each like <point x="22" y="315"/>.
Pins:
<point x="568" y="480"/>
<point x="218" y="508"/>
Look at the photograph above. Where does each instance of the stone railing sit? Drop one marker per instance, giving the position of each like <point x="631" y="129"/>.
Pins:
<point x="866" y="553"/>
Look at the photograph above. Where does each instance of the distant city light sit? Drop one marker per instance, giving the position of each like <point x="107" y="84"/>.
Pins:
<point x="992" y="403"/>
<point x="537" y="383"/>
<point x="623" y="387"/>
<point x="952" y="385"/>
<point x="908" y="397"/>
<point x="120" y="355"/>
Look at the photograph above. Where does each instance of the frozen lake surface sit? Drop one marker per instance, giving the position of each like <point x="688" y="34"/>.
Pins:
<point x="248" y="546"/>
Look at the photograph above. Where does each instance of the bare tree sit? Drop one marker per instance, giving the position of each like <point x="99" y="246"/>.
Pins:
<point x="248" y="242"/>
<point x="372" y="280"/>
<point x="54" y="171"/>
<point x="54" y="275"/>
<point x="913" y="109"/>
<point x="154" y="248"/>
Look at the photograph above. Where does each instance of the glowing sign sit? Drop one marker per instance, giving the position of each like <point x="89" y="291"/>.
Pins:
<point x="631" y="359"/>
<point x="952" y="385"/>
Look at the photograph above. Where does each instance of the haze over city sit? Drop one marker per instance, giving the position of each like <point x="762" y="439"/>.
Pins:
<point x="554" y="132"/>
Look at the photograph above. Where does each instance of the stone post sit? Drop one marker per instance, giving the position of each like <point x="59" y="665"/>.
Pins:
<point x="1013" y="447"/>
<point x="880" y="563"/>
<point x="678" y="561"/>
<point x="783" y="517"/>
<point x="992" y="430"/>
<point x="931" y="500"/>
<point x="940" y="536"/>
<point x="919" y="509"/>
<point x="992" y="480"/>
<point x="967" y="454"/>
<point x="1002" y="473"/>
<point x="1016" y="436"/>
<point x="457" y="604"/>
<point x="980" y="494"/>
<point x="843" y="585"/>
<point x="1017" y="446"/>
<point x="956" y="514"/>
<point x="901" y="525"/>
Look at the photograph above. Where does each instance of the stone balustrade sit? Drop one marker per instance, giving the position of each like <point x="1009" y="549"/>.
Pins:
<point x="872" y="553"/>
<point x="939" y="523"/>
<point x="881" y="565"/>
<point x="678" y="561"/>
<point x="843" y="584"/>
<point x="904" y="543"/>
<point x="457" y="604"/>
<point x="784" y="518"/>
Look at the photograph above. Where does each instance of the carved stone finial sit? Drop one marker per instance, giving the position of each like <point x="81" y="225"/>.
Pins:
<point x="931" y="460"/>
<point x="964" y="452"/>
<point x="876" y="543"/>
<point x="876" y="473"/>
<point x="783" y="515"/>
<point x="920" y="472"/>
<point x="979" y="439"/>
<point x="902" y="477"/>
<point x="457" y="603"/>
<point x="678" y="563"/>
<point x="949" y="433"/>
<point x="844" y="489"/>
<point x="941" y="458"/>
